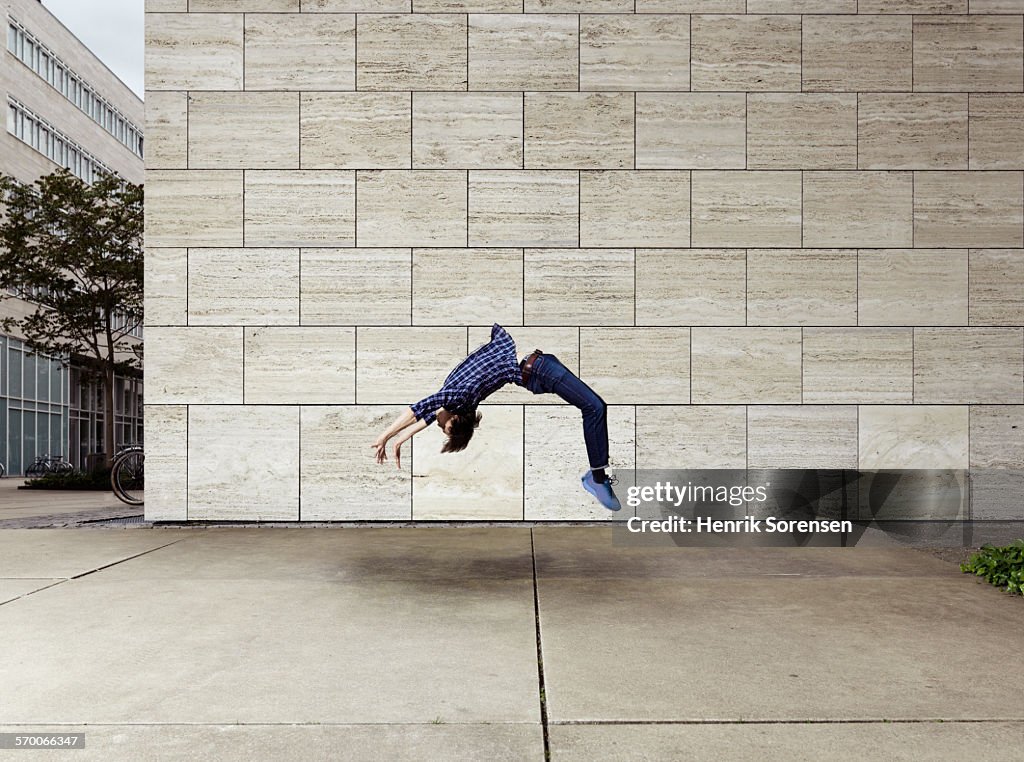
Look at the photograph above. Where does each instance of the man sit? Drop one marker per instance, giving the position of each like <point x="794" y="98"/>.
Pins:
<point x="487" y="369"/>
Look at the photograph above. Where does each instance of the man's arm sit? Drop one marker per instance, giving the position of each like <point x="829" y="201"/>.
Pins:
<point x="405" y="418"/>
<point x="406" y="435"/>
<point x="422" y="413"/>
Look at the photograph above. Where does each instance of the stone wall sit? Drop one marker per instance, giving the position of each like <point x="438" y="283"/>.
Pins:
<point x="769" y="234"/>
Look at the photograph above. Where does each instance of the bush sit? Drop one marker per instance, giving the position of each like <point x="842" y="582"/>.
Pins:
<point x="1003" y="567"/>
<point x="93" y="480"/>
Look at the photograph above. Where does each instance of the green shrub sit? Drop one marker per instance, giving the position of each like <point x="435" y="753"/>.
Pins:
<point x="1003" y="567"/>
<point x="95" y="480"/>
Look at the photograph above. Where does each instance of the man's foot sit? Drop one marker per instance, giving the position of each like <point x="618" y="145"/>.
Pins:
<point x="601" y="490"/>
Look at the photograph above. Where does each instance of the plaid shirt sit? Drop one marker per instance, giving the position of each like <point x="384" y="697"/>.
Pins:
<point x="487" y="369"/>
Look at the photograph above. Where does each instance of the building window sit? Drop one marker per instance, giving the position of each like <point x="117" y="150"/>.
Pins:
<point x="32" y="129"/>
<point x="33" y="406"/>
<point x="87" y="417"/>
<point x="30" y="51"/>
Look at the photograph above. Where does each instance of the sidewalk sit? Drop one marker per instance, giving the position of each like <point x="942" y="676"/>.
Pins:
<point x="442" y="643"/>
<point x="31" y="507"/>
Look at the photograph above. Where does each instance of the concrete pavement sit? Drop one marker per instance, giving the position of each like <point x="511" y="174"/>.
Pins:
<point x="34" y="507"/>
<point x="439" y="642"/>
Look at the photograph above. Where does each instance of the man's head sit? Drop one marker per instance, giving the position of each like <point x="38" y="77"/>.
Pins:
<point x="458" y="427"/>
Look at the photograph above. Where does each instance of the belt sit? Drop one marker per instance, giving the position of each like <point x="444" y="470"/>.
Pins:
<point x="528" y="363"/>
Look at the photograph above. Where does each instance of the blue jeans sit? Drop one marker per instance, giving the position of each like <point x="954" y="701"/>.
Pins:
<point x="550" y="376"/>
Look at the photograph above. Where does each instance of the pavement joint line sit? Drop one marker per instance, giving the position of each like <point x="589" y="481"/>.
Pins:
<point x="540" y="654"/>
<point x="62" y="580"/>
<point x="59" y="581"/>
<point x="129" y="558"/>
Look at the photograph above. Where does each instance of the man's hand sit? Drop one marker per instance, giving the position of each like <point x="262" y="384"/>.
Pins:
<point x="407" y="424"/>
<point x="380" y="447"/>
<point x="405" y="418"/>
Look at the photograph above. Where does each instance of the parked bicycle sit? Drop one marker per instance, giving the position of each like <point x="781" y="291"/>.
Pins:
<point x="127" y="476"/>
<point x="48" y="464"/>
<point x="3" y="470"/>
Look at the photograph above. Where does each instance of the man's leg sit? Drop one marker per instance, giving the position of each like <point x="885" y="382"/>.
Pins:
<point x="551" y="376"/>
<point x="595" y="419"/>
<point x="595" y="432"/>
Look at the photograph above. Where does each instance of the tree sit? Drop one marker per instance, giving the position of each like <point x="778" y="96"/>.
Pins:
<point x="74" y="249"/>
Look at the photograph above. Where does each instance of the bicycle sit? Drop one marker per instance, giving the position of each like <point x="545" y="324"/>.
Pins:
<point x="3" y="470"/>
<point x="127" y="476"/>
<point x="48" y="464"/>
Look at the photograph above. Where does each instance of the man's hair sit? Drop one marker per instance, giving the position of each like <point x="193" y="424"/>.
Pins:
<point x="463" y="425"/>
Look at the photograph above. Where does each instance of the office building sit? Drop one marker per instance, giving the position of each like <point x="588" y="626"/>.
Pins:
<point x="64" y="107"/>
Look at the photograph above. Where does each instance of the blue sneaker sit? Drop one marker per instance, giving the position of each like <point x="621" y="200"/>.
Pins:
<point x="602" y="490"/>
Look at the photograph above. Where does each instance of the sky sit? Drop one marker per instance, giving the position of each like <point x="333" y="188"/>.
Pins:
<point x="112" y="29"/>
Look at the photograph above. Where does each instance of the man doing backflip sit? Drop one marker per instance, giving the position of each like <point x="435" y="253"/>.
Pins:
<point x="482" y="373"/>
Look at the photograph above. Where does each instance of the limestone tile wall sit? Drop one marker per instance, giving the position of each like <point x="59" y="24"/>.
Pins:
<point x="771" y="234"/>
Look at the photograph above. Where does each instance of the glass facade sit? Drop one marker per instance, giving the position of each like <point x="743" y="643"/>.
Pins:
<point x="87" y="416"/>
<point x="45" y="409"/>
<point x="34" y="392"/>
